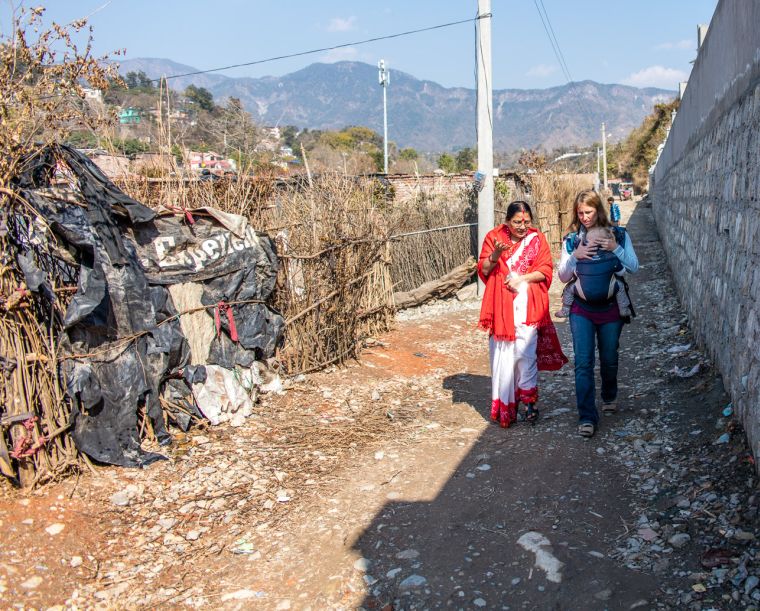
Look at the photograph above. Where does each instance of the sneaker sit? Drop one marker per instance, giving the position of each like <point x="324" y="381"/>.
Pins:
<point x="609" y="408"/>
<point x="586" y="429"/>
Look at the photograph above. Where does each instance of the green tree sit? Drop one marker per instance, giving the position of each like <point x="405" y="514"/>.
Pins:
<point x="363" y="138"/>
<point x="337" y="140"/>
<point x="378" y="160"/>
<point x="632" y="157"/>
<point x="447" y="163"/>
<point x="130" y="146"/>
<point x="408" y="154"/>
<point x="82" y="139"/>
<point x="289" y="135"/>
<point x="465" y="160"/>
<point x="138" y="80"/>
<point x="201" y="97"/>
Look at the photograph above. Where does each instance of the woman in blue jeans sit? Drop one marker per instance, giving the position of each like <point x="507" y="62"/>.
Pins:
<point x="599" y="322"/>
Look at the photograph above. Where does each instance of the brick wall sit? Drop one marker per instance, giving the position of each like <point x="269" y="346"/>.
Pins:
<point x="705" y="192"/>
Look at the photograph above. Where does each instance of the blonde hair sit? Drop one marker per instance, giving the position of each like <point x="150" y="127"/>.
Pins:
<point x="589" y="198"/>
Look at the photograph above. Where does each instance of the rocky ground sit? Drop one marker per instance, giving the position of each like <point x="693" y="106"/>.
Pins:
<point x="382" y="485"/>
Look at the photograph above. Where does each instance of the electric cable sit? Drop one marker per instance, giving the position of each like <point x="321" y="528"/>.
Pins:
<point x="323" y="49"/>
<point x="560" y="57"/>
<point x="478" y="45"/>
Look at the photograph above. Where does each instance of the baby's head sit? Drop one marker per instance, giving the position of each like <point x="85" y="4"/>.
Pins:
<point x="599" y="233"/>
<point x="595" y="234"/>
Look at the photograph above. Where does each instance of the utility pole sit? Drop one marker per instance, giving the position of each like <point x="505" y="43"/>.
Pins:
<point x="598" y="167"/>
<point x="384" y="77"/>
<point x="484" y="124"/>
<point x="604" y="155"/>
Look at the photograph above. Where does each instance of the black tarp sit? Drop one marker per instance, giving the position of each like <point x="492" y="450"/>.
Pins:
<point x="122" y="342"/>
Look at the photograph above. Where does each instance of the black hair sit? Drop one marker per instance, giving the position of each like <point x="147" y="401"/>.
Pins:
<point x="518" y="206"/>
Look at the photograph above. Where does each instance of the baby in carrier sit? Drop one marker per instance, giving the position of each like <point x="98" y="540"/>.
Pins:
<point x="595" y="282"/>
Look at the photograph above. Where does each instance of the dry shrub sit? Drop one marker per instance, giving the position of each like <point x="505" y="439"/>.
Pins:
<point x="247" y="196"/>
<point x="42" y="78"/>
<point x="42" y="75"/>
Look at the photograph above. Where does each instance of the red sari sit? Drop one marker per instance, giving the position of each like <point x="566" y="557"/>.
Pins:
<point x="531" y="342"/>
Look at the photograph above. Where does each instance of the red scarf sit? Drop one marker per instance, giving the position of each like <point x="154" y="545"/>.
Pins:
<point x="497" y="308"/>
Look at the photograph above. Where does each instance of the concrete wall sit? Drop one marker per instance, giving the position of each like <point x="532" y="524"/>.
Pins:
<point x="706" y="201"/>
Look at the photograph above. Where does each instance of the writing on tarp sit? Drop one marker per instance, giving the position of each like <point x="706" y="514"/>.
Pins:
<point x="203" y="253"/>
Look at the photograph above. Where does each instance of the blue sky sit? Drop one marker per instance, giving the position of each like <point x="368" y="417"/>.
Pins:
<point x="637" y="42"/>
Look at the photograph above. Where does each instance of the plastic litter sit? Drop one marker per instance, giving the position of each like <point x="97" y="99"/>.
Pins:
<point x="123" y="347"/>
<point x="242" y="547"/>
<point x="685" y="373"/>
<point x="724" y="438"/>
<point x="678" y="348"/>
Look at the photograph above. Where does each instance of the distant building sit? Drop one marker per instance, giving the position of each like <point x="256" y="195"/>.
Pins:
<point x="129" y="116"/>
<point x="210" y="161"/>
<point x="269" y="140"/>
<point x="92" y="95"/>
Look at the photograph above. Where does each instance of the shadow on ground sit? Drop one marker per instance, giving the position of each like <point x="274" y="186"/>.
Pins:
<point x="468" y="388"/>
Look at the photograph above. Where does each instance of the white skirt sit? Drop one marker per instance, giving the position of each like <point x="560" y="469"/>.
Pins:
<point x="514" y="370"/>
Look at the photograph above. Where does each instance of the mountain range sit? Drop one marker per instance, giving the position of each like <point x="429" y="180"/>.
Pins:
<point x="423" y="114"/>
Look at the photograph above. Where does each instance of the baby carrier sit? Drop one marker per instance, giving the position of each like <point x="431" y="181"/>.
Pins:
<point x="596" y="284"/>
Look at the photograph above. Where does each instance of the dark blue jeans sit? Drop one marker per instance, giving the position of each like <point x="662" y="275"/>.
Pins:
<point x="586" y="335"/>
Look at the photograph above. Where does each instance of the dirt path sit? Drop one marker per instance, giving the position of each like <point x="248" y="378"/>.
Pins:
<point x="383" y="485"/>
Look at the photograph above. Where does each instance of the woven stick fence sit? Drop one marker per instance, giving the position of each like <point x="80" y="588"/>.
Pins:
<point x="35" y="415"/>
<point x="335" y="273"/>
<point x="434" y="235"/>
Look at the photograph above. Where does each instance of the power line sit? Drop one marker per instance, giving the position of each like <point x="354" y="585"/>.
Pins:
<point x="554" y="36"/>
<point x="323" y="49"/>
<point x="560" y="56"/>
<point x="552" y="43"/>
<point x="580" y="101"/>
<point x="479" y="45"/>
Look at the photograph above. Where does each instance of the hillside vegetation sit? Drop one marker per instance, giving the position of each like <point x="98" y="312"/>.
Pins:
<point x="631" y="158"/>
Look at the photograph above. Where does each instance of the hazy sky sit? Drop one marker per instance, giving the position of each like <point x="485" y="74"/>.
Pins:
<point x="637" y="42"/>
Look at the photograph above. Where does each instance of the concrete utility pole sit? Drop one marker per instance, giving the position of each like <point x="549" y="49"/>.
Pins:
<point x="598" y="168"/>
<point x="384" y="77"/>
<point x="604" y="156"/>
<point x="484" y="124"/>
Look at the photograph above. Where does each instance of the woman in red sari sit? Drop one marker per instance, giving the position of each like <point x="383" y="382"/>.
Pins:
<point x="516" y="267"/>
